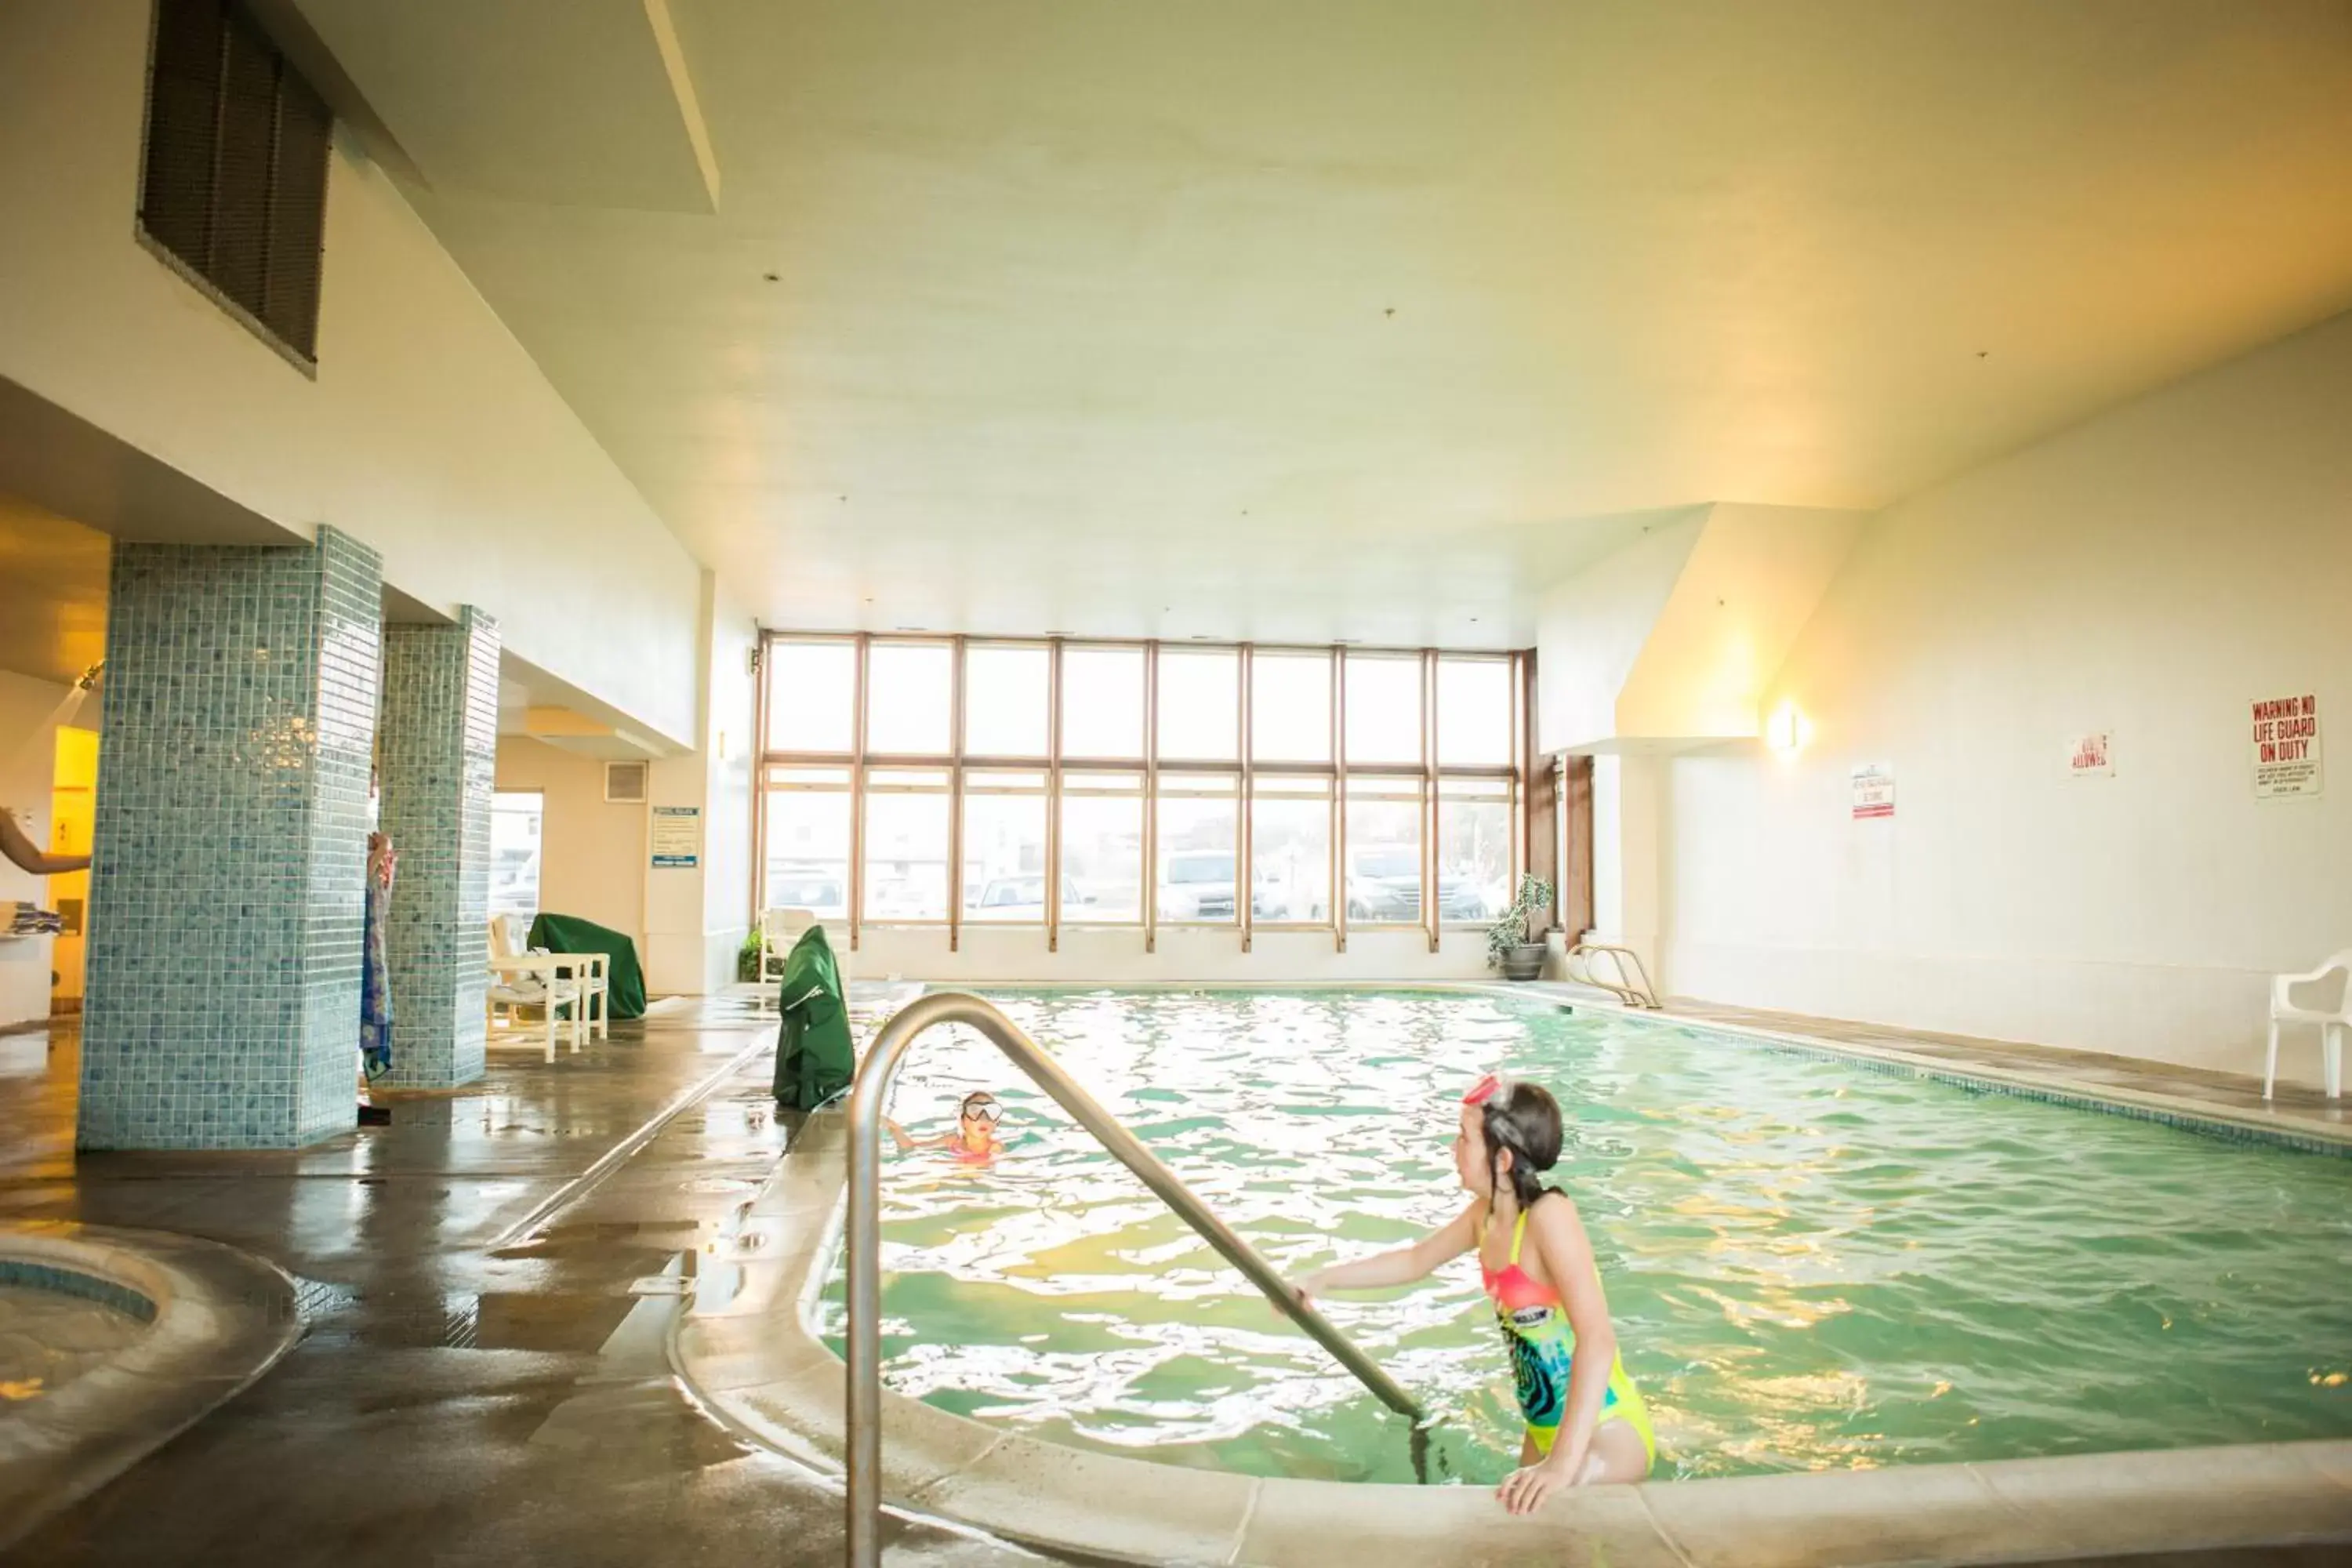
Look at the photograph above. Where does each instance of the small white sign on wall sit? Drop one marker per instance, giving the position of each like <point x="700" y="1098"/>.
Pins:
<point x="2091" y="756"/>
<point x="1874" y="790"/>
<point x="676" y="837"/>
<point x="2286" y="747"/>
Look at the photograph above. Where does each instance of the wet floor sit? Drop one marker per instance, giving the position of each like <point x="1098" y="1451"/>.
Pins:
<point x="473" y="1387"/>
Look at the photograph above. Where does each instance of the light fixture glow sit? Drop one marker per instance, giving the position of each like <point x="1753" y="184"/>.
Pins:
<point x="1788" y="729"/>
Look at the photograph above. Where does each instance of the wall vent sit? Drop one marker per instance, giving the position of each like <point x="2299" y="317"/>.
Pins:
<point x="233" y="194"/>
<point x="624" y="783"/>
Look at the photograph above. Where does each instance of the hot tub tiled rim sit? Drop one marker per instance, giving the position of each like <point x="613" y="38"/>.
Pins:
<point x="221" y="1318"/>
<point x="759" y="1366"/>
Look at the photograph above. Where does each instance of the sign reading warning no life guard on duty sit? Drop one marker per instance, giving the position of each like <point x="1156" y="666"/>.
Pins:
<point x="2286" y="747"/>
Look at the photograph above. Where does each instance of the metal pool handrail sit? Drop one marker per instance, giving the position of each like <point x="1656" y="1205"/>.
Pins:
<point x="864" y="1295"/>
<point x="1633" y="988"/>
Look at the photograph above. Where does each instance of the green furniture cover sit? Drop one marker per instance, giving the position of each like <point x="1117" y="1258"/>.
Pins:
<point x="569" y="933"/>
<point x="815" y="1058"/>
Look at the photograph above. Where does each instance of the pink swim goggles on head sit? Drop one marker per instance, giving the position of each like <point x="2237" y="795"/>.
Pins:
<point x="1484" y="1089"/>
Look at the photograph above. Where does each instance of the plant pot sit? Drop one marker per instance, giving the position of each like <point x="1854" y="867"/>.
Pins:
<point x="1523" y="962"/>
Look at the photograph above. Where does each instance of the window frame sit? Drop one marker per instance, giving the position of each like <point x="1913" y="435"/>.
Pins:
<point x="1160" y="777"/>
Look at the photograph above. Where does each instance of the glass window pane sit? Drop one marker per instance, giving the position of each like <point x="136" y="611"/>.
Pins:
<point x="515" y="818"/>
<point x="812" y="696"/>
<point x="1384" y="710"/>
<point x="1199" y="832"/>
<point x="1102" y="702"/>
<point x="1200" y="704"/>
<point x="1473" y="712"/>
<point x="1102" y="848"/>
<point x="1383" y="847"/>
<point x="1291" y="851"/>
<point x="1290" y="707"/>
<point x="1004" y="693"/>
<point x="909" y="689"/>
<point x="1473" y="850"/>
<point x="907" y="857"/>
<point x="807" y="849"/>
<point x="1003" y="849"/>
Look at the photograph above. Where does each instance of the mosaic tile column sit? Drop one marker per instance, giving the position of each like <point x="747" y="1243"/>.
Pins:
<point x="231" y="841"/>
<point x="440" y="728"/>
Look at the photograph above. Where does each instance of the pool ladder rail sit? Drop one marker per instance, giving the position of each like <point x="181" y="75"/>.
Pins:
<point x="1631" y="985"/>
<point x="866" y="1097"/>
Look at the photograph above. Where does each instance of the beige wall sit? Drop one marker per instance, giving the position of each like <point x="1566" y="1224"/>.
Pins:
<point x="27" y="770"/>
<point x="2151" y="574"/>
<point x="592" y="854"/>
<point x="428" y="432"/>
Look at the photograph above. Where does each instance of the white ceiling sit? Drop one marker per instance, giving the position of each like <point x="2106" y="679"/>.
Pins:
<point x="1358" y="317"/>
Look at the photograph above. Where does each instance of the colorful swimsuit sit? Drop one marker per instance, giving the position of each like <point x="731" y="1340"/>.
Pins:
<point x="1543" y="1352"/>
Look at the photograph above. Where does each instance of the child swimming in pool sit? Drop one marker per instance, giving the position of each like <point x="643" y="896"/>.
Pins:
<point x="974" y="1140"/>
<point x="1586" y="1423"/>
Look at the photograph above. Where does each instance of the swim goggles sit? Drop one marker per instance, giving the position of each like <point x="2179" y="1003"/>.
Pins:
<point x="1484" y="1089"/>
<point x="986" y="1110"/>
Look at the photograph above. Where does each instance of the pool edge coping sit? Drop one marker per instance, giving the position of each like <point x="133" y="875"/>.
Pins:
<point x="223" y="1318"/>
<point x="758" y="1365"/>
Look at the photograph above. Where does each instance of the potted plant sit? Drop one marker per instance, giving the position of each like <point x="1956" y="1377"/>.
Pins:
<point x="1512" y="944"/>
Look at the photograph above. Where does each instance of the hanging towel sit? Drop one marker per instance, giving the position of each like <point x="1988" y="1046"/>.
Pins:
<point x="375" y="979"/>
<point x="814" y="1056"/>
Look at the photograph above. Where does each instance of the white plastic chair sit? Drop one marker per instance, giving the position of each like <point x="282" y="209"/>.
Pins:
<point x="2333" y="1026"/>
<point x="781" y="928"/>
<point x="519" y="978"/>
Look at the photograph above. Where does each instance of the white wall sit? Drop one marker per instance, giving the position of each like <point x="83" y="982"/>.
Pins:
<point x="2151" y="572"/>
<point x="1114" y="956"/>
<point x="592" y="854"/>
<point x="428" y="433"/>
<point x="697" y="918"/>
<point x="27" y="770"/>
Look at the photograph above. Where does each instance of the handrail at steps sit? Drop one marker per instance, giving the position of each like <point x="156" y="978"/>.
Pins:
<point x="867" y="1093"/>
<point x="1634" y="989"/>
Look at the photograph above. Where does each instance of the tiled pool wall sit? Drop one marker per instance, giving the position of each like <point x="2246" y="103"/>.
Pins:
<point x="59" y="1281"/>
<point x="439" y="770"/>
<point x="224" y="970"/>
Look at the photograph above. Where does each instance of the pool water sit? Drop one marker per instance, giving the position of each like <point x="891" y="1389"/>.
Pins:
<point x="1809" y="1264"/>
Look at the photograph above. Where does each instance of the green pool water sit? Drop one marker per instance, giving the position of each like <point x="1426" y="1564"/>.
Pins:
<point x="1811" y="1265"/>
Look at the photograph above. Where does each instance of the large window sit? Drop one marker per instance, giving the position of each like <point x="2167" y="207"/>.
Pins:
<point x="907" y="819"/>
<point x="1021" y="783"/>
<point x="1200" y="845"/>
<point x="1384" y="850"/>
<point x="1004" y="847"/>
<point x="514" y="819"/>
<point x="807" y="862"/>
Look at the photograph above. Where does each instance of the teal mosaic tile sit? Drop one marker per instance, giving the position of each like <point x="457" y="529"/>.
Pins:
<point x="439" y="769"/>
<point x="239" y="715"/>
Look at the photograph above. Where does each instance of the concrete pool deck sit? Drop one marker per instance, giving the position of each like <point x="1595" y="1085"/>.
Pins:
<point x="748" y="1351"/>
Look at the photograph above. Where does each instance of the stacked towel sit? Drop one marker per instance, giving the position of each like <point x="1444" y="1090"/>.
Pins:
<point x="31" y="919"/>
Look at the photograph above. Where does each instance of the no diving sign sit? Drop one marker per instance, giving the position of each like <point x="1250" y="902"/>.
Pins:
<point x="2286" y="747"/>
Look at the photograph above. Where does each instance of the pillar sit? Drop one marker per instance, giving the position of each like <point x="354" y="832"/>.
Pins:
<point x="224" y="970"/>
<point x="439" y="761"/>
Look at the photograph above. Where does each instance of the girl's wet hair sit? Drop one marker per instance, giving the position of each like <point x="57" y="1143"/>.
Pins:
<point x="1525" y="1119"/>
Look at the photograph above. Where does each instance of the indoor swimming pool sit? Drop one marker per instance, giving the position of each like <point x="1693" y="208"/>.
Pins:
<point x="1810" y="1264"/>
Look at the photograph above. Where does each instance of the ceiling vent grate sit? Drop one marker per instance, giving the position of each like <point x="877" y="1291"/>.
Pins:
<point x="624" y="783"/>
<point x="233" y="191"/>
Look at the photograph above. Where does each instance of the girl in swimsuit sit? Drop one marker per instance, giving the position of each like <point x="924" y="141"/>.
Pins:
<point x="1586" y="1423"/>
<point x="973" y="1142"/>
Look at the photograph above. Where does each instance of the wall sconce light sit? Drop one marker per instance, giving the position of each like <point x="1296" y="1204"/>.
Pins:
<point x="1788" y="729"/>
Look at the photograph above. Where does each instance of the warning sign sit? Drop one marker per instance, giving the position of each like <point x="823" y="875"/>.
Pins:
<point x="2091" y="756"/>
<point x="2286" y="747"/>
<point x="1874" y="790"/>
